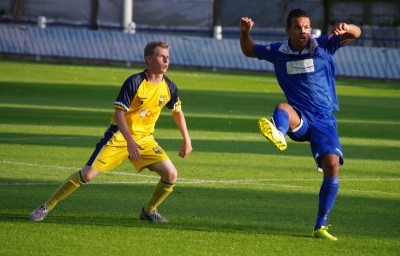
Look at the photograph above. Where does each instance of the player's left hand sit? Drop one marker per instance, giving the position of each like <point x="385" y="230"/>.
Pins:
<point x="246" y="24"/>
<point x="185" y="150"/>
<point x="340" y="28"/>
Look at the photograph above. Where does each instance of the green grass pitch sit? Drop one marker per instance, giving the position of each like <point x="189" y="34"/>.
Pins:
<point x="236" y="194"/>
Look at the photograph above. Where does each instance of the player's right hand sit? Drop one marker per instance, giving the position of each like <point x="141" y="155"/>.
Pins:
<point x="133" y="150"/>
<point x="246" y="24"/>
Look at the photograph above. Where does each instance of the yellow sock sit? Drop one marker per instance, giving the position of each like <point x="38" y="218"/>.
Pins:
<point x="161" y="192"/>
<point x="65" y="189"/>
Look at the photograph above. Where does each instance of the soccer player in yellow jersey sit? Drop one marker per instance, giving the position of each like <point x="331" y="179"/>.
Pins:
<point x="130" y="135"/>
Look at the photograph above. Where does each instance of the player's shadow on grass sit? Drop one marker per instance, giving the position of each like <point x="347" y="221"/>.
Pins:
<point x="210" y="209"/>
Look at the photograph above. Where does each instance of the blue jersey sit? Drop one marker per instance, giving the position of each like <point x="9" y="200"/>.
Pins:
<point x="306" y="77"/>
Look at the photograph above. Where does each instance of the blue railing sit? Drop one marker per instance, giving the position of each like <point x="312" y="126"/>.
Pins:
<point x="190" y="51"/>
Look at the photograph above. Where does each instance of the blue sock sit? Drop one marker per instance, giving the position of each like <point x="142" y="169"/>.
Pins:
<point x="281" y="119"/>
<point x="327" y="196"/>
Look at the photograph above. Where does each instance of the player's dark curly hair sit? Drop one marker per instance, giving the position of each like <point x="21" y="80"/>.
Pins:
<point x="294" y="14"/>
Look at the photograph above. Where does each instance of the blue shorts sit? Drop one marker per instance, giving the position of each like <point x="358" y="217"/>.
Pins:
<point x="321" y="131"/>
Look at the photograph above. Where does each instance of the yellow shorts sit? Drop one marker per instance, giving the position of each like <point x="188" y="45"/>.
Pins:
<point x="111" y="151"/>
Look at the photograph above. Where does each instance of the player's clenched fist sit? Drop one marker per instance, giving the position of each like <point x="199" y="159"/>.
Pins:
<point x="246" y="24"/>
<point x="340" y="28"/>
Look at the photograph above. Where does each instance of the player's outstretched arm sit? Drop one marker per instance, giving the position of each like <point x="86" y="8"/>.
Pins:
<point x="246" y="42"/>
<point x="180" y="121"/>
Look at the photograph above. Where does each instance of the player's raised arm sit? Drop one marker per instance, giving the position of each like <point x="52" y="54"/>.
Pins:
<point x="246" y="42"/>
<point x="346" y="32"/>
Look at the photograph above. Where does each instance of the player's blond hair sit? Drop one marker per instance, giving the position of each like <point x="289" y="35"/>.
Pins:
<point x="151" y="46"/>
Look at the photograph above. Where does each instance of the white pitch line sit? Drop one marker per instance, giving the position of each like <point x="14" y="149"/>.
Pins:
<point x="194" y="181"/>
<point x="41" y="138"/>
<point x="182" y="180"/>
<point x="38" y="165"/>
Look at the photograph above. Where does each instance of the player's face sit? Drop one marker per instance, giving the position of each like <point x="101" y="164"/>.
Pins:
<point x="299" y="32"/>
<point x="159" y="61"/>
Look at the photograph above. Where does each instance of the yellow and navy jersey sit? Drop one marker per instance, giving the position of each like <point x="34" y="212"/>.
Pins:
<point x="143" y="102"/>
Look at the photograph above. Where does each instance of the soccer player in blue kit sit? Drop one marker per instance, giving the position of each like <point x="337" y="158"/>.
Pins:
<point x="305" y="70"/>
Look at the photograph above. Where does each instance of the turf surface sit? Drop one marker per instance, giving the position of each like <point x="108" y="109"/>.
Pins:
<point x="236" y="194"/>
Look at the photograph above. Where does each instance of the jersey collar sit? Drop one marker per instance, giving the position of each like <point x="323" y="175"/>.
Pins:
<point x="310" y="48"/>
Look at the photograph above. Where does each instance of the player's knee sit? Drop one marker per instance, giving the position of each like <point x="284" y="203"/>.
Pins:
<point x="331" y="166"/>
<point x="331" y="170"/>
<point x="171" y="176"/>
<point x="283" y="105"/>
<point x="88" y="173"/>
<point x="166" y="170"/>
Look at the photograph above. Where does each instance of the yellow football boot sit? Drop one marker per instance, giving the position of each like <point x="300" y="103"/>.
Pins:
<point x="269" y="131"/>
<point x="323" y="233"/>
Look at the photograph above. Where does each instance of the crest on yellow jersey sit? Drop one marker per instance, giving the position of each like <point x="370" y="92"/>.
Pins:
<point x="162" y="100"/>
<point x="158" y="150"/>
